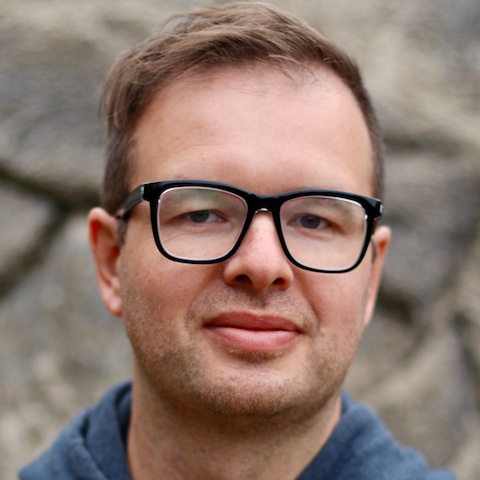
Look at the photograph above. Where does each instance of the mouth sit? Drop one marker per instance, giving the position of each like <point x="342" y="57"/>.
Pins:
<point x="254" y="333"/>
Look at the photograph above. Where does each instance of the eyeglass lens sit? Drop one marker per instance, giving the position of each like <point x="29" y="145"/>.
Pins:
<point x="204" y="223"/>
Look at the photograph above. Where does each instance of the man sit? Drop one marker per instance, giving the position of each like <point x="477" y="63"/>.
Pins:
<point x="240" y="241"/>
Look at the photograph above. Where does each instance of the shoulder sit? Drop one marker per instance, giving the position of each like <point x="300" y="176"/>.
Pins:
<point x="361" y="447"/>
<point x="93" y="437"/>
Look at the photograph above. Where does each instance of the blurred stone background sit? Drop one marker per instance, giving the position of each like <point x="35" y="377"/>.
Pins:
<point x="59" y="349"/>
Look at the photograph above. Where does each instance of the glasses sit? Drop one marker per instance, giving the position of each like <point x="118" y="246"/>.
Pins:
<point x="205" y="222"/>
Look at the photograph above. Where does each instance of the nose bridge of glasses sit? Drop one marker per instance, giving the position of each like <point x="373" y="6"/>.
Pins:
<point x="269" y="212"/>
<point x="265" y="210"/>
<point x="262" y="209"/>
<point x="260" y="204"/>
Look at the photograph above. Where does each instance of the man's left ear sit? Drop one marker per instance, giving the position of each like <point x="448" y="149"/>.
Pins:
<point x="380" y="243"/>
<point x="103" y="233"/>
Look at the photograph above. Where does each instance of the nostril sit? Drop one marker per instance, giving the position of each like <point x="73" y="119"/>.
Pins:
<point x="243" y="279"/>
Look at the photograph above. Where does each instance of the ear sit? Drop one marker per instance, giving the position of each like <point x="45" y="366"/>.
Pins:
<point x="381" y="241"/>
<point x="106" y="254"/>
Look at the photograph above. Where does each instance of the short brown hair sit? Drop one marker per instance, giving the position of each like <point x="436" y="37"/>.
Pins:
<point x="235" y="34"/>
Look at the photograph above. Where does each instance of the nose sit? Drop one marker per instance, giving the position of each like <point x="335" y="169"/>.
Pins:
<point x="259" y="263"/>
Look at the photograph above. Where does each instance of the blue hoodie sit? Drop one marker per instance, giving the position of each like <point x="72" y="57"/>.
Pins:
<point x="93" y="447"/>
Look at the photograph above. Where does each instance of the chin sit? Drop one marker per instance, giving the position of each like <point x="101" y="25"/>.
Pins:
<point x="262" y="399"/>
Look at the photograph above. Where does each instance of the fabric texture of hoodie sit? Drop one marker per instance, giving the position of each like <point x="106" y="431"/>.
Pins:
<point x="93" y="447"/>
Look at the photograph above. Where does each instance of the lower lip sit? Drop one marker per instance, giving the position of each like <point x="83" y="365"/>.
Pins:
<point x="253" y="340"/>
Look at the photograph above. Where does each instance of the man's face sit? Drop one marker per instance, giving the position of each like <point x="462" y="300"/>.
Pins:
<point x="253" y="335"/>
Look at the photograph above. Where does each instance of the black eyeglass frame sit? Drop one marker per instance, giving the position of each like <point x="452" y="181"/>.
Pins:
<point x="152" y="191"/>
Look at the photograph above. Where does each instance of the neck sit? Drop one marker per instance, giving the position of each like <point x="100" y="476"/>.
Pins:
<point x="171" y="443"/>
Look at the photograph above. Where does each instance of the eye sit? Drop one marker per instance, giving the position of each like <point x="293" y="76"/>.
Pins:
<point x="309" y="221"/>
<point x="202" y="216"/>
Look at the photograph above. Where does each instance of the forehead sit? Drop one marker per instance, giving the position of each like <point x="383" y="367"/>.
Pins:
<point x="230" y="123"/>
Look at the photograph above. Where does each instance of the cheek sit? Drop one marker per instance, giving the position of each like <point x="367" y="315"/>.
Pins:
<point x="339" y="302"/>
<point x="152" y="309"/>
<point x="157" y="293"/>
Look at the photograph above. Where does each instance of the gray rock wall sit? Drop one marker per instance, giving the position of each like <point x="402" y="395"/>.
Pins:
<point x="420" y="360"/>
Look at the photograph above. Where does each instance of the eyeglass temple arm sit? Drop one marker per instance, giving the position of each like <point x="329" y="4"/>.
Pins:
<point x="134" y="198"/>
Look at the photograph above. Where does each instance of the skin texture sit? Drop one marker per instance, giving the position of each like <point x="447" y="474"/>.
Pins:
<point x="240" y="362"/>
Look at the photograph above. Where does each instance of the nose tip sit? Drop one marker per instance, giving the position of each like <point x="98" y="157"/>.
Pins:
<point x="260" y="262"/>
